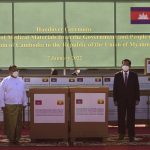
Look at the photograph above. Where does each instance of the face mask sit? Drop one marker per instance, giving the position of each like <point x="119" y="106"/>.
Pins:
<point x="125" y="68"/>
<point x="78" y="71"/>
<point x="52" y="69"/>
<point x="15" y="74"/>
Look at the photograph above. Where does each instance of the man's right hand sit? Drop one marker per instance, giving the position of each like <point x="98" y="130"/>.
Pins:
<point x="3" y="108"/>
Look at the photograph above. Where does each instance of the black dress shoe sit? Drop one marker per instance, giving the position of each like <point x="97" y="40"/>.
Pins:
<point x="121" y="137"/>
<point x="15" y="142"/>
<point x="11" y="143"/>
<point x="131" y="139"/>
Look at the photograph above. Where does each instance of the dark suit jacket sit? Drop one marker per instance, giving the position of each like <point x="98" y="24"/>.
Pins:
<point x="130" y="92"/>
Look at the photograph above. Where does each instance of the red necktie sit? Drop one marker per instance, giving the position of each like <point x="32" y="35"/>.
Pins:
<point x="126" y="79"/>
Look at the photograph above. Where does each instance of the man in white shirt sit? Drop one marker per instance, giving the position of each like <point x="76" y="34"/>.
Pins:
<point x="12" y="100"/>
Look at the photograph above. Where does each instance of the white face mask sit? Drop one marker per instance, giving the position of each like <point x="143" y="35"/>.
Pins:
<point x="78" y="71"/>
<point x="15" y="74"/>
<point x="52" y="69"/>
<point x="125" y="68"/>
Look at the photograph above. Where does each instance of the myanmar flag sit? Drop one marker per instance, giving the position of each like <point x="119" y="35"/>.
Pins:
<point x="140" y="15"/>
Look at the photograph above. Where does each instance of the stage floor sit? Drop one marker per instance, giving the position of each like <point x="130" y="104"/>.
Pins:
<point x="142" y="139"/>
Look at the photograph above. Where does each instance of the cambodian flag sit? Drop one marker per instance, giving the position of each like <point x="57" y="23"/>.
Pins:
<point x="140" y="15"/>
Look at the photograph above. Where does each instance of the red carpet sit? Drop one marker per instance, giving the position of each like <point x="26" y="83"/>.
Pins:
<point x="80" y="148"/>
<point x="142" y="142"/>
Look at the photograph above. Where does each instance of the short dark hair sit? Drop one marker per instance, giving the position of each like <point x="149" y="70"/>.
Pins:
<point x="129" y="61"/>
<point x="13" y="68"/>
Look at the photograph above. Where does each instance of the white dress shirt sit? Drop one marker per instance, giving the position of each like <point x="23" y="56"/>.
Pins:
<point x="12" y="91"/>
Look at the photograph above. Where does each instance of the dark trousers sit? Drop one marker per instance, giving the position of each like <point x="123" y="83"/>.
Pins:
<point x="13" y="121"/>
<point x="126" y="111"/>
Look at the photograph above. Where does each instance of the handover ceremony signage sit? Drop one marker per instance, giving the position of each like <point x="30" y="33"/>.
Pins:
<point x="90" y="107"/>
<point x="49" y="108"/>
<point x="147" y="66"/>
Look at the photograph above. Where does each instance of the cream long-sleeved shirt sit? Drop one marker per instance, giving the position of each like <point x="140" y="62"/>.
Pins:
<point x="12" y="91"/>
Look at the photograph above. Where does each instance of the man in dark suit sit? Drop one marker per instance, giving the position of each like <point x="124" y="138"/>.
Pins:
<point x="126" y="95"/>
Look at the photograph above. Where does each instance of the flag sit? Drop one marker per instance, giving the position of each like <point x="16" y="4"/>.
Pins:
<point x="26" y="79"/>
<point x="71" y="80"/>
<point x="79" y="79"/>
<point x="140" y="15"/>
<point x="38" y="102"/>
<point x="97" y="79"/>
<point x="53" y="79"/>
<point x="45" y="80"/>
<point x="79" y="101"/>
